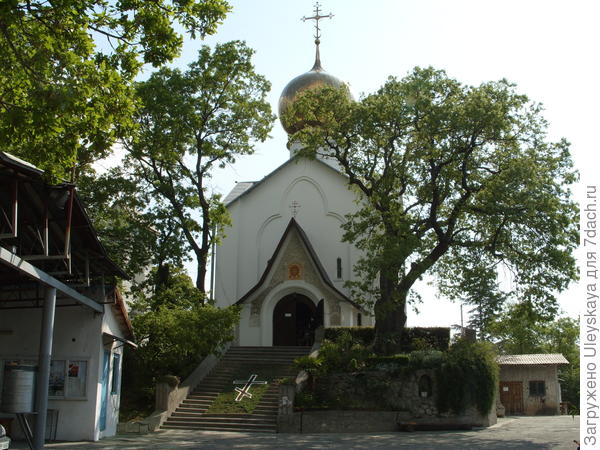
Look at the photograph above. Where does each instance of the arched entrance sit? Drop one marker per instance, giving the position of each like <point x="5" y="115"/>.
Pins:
<point x="294" y="321"/>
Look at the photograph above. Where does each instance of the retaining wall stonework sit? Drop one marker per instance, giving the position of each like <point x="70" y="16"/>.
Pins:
<point x="370" y="421"/>
<point x="374" y="402"/>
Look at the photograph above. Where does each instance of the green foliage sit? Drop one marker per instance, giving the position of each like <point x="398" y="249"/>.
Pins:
<point x="225" y="402"/>
<point x="416" y="338"/>
<point x="189" y="123"/>
<point x="174" y="332"/>
<point x="134" y="234"/>
<point x="360" y="335"/>
<point x="468" y="376"/>
<point x="312" y="366"/>
<point x="343" y="355"/>
<point x="68" y="67"/>
<point x="456" y="181"/>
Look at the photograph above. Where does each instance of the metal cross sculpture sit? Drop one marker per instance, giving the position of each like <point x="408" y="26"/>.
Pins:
<point x="245" y="391"/>
<point x="295" y="206"/>
<point x="316" y="18"/>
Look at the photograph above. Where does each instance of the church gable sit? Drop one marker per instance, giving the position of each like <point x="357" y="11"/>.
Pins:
<point x="248" y="189"/>
<point x="294" y="260"/>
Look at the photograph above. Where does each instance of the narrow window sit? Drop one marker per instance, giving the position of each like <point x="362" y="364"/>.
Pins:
<point x="339" y="268"/>
<point x="537" y="388"/>
<point x="359" y="319"/>
<point x="114" y="389"/>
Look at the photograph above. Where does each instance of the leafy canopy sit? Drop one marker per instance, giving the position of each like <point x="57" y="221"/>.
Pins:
<point x="67" y="70"/>
<point x="190" y="123"/>
<point x="454" y="181"/>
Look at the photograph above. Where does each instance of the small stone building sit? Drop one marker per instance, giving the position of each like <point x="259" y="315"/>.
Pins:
<point x="529" y="383"/>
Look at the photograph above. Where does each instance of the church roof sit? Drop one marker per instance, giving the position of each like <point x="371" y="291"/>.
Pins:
<point x="245" y="187"/>
<point x="238" y="190"/>
<point x="293" y="225"/>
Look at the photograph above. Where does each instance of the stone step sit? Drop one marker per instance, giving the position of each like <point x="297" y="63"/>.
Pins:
<point x="192" y="412"/>
<point x="202" y="397"/>
<point x="224" y="422"/>
<point x="187" y="410"/>
<point x="195" y="404"/>
<point x="226" y="418"/>
<point x="237" y="429"/>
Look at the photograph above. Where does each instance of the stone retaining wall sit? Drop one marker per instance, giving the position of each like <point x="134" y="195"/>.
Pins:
<point x="370" y="421"/>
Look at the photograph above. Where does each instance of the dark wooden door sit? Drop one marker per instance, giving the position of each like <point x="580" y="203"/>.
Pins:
<point x="511" y="396"/>
<point x="284" y="321"/>
<point x="294" y="320"/>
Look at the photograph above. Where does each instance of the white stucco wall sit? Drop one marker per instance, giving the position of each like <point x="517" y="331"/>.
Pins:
<point x="260" y="217"/>
<point x="534" y="405"/>
<point x="77" y="336"/>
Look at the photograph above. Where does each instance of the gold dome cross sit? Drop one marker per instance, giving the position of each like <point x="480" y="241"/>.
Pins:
<point x="316" y="18"/>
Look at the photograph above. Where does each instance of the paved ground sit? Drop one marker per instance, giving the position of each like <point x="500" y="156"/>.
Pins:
<point x="513" y="433"/>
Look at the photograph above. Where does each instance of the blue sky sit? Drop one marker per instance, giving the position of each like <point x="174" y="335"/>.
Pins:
<point x="548" y="48"/>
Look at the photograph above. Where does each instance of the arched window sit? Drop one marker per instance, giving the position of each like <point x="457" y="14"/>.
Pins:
<point x="425" y="386"/>
<point x="339" y="268"/>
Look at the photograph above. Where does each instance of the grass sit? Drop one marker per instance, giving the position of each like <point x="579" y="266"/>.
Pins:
<point x="225" y="402"/>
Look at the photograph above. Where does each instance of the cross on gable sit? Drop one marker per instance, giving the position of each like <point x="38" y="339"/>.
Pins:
<point x="295" y="206"/>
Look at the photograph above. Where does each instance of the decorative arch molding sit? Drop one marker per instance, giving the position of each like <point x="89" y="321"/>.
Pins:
<point x="321" y="192"/>
<point x="336" y="216"/>
<point x="259" y="236"/>
<point x="310" y="181"/>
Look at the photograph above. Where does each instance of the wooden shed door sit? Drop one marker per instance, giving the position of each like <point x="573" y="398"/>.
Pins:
<point x="511" y="396"/>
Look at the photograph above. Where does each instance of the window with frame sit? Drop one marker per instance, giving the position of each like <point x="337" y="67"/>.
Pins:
<point x="537" y="388"/>
<point x="116" y="374"/>
<point x="339" y="268"/>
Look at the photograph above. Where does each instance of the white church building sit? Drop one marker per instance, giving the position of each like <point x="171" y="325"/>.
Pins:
<point x="283" y="260"/>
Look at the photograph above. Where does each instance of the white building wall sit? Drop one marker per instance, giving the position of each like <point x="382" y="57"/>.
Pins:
<point x="77" y="336"/>
<point x="259" y="219"/>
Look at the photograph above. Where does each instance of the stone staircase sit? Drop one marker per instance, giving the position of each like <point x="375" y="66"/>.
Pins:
<point x="268" y="363"/>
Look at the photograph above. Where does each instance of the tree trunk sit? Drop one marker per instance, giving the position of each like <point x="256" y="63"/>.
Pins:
<point x="390" y="317"/>
<point x="201" y="273"/>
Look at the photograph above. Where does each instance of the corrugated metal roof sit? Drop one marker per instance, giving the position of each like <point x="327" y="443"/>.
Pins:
<point x="540" y="358"/>
<point x="238" y="190"/>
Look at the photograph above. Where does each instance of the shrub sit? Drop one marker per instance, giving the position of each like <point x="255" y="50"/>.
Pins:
<point x="417" y="338"/>
<point x="360" y="335"/>
<point x="343" y="355"/>
<point x="469" y="376"/>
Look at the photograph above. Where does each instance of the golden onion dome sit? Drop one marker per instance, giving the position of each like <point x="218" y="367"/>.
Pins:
<point x="314" y="79"/>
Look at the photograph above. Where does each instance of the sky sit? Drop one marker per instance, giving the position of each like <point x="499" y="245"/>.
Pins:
<point x="548" y="48"/>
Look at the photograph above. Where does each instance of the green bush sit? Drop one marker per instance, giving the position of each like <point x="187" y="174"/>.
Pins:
<point x="343" y="355"/>
<point x="468" y="376"/>
<point x="417" y="338"/>
<point x="360" y="335"/>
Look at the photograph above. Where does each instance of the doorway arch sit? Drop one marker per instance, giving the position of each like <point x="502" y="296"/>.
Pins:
<point x="294" y="321"/>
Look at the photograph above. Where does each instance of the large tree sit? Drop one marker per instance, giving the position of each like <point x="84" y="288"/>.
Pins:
<point x="190" y="123"/>
<point x="68" y="66"/>
<point x="137" y="231"/>
<point x="454" y="181"/>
